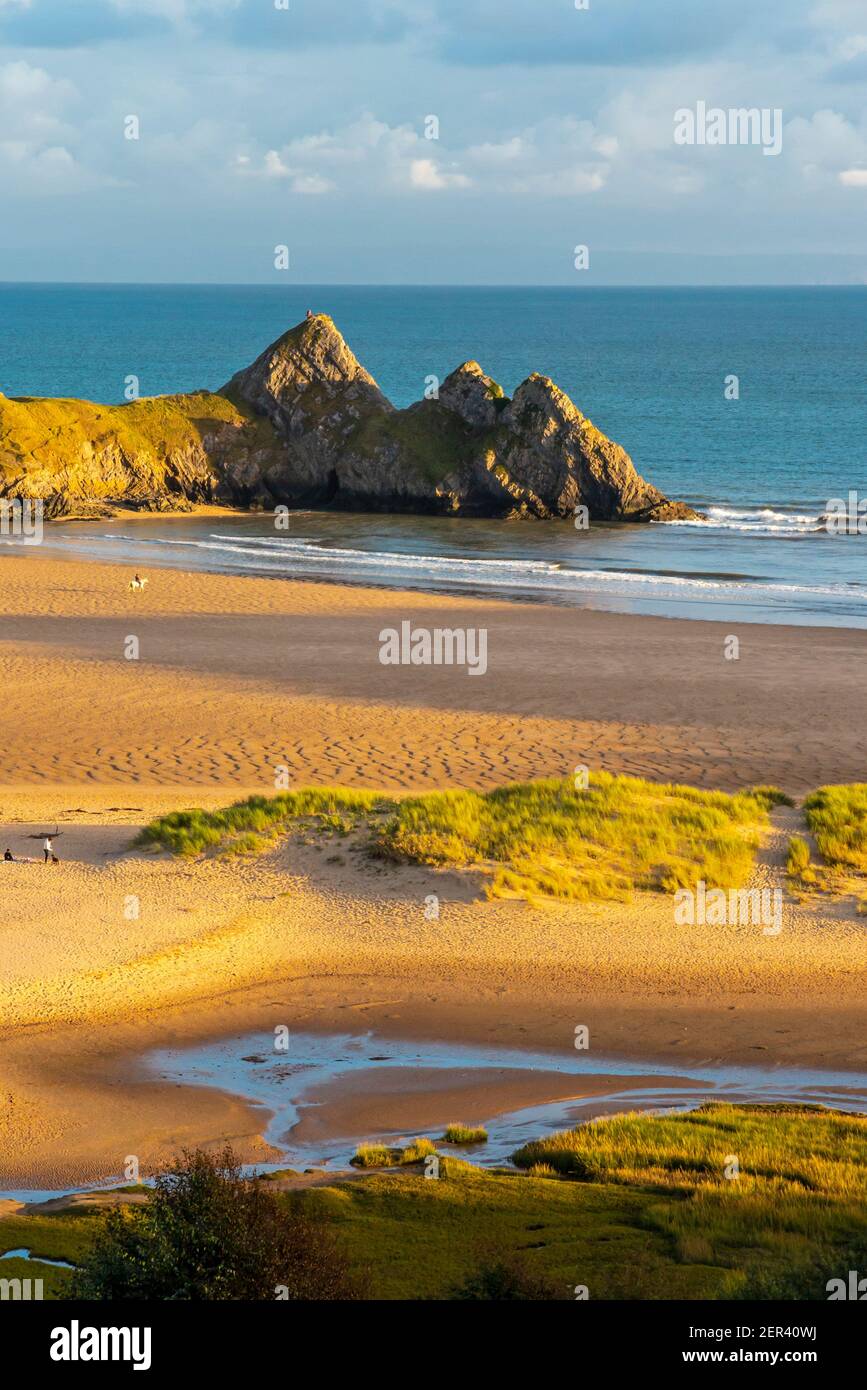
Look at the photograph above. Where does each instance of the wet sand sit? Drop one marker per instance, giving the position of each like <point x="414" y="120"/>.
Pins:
<point x="236" y="676"/>
<point x="408" y="1100"/>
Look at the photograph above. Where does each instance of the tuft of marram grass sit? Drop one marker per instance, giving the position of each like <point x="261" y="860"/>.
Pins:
<point x="798" y="860"/>
<point x="837" y="817"/>
<point x="329" y="809"/>
<point x="465" y="1134"/>
<point x="393" y="1156"/>
<point x="373" y="1156"/>
<point x="771" y="796"/>
<point x="601" y="841"/>
<point x="543" y="1170"/>
<point x="418" y="1150"/>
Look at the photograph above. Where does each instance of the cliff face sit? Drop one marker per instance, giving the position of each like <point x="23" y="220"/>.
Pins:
<point x="305" y="425"/>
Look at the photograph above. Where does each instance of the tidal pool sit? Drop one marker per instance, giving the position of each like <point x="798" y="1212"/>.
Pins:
<point x="307" y="1071"/>
<point x="320" y="1093"/>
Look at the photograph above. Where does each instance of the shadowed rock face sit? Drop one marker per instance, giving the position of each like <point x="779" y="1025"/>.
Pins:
<point x="306" y="424"/>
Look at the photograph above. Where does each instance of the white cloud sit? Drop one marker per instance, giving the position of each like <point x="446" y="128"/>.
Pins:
<point x="178" y="11"/>
<point x="426" y="173"/>
<point x="852" y="47"/>
<point x="299" y="181"/>
<point x="274" y="168"/>
<point x="826" y="147"/>
<point x="36" y="131"/>
<point x="853" y="178"/>
<point x="558" y="158"/>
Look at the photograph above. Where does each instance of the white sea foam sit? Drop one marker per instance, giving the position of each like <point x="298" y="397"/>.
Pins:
<point x="299" y="555"/>
<point x="558" y="579"/>
<point x="756" y="521"/>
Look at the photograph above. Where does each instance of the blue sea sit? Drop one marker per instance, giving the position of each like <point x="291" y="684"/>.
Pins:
<point x="648" y="366"/>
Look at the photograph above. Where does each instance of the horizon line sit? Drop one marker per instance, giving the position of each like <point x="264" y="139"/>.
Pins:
<point x="440" y="285"/>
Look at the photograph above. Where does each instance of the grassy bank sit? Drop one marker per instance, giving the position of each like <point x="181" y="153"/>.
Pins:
<point x="721" y="1202"/>
<point x="550" y="837"/>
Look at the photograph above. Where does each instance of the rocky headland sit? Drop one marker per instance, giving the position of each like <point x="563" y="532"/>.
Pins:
<point x="306" y="425"/>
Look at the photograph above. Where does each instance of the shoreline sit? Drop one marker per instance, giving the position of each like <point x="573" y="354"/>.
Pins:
<point x="629" y="570"/>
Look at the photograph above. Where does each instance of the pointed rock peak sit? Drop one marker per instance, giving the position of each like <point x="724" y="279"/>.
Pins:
<point x="472" y="395"/>
<point x="318" y="332"/>
<point x="312" y="354"/>
<point x="544" y="394"/>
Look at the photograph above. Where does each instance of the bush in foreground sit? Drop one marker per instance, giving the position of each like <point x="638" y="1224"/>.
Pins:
<point x="208" y="1233"/>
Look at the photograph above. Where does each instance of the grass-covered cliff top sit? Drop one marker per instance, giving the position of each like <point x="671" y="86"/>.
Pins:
<point x="547" y="837"/>
<point x="45" y="430"/>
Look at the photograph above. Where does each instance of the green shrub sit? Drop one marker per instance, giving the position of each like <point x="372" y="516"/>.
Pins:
<point x="208" y="1233"/>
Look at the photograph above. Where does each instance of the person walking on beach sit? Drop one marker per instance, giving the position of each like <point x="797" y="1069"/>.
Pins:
<point x="47" y="850"/>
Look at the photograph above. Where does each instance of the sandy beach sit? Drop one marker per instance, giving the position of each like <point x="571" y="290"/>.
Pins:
<point x="115" y="952"/>
<point x="238" y="675"/>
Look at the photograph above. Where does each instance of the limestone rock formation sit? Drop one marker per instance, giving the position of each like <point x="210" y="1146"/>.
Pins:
<point x="307" y="425"/>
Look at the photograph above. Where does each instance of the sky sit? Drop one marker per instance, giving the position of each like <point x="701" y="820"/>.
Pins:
<point x="430" y="141"/>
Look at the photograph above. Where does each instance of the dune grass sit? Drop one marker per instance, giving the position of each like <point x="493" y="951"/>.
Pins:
<point x="545" y="838"/>
<point x="261" y="819"/>
<point x="803" y="1147"/>
<point x="555" y="840"/>
<point x="798" y="865"/>
<point x="771" y="1192"/>
<point x="837" y="817"/>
